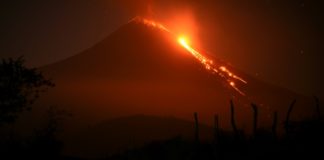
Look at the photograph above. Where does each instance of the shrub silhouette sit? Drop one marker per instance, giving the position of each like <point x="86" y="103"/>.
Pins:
<point x="19" y="88"/>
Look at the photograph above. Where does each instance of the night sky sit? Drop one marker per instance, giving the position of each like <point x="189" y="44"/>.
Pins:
<point x="280" y="42"/>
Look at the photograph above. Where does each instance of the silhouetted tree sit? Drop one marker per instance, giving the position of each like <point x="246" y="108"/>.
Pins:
<point x="19" y="88"/>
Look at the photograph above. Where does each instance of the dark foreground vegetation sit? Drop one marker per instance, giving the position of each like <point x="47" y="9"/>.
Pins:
<point x="20" y="87"/>
<point x="302" y="139"/>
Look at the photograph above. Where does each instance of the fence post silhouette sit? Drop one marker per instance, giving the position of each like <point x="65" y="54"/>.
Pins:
<point x="216" y="128"/>
<point x="216" y="136"/>
<point x="318" y="112"/>
<point x="274" y="124"/>
<point x="196" y="127"/>
<point x="197" y="142"/>
<point x="255" y="118"/>
<point x="288" y="115"/>
<point x="233" y="119"/>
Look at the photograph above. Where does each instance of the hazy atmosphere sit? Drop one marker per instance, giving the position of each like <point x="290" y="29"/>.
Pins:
<point x="161" y="79"/>
<point x="277" y="41"/>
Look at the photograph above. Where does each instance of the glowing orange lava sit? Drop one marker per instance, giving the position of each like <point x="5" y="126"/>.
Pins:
<point x="220" y="70"/>
<point x="209" y="65"/>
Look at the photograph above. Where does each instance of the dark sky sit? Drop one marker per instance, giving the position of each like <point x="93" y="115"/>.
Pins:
<point x="278" y="41"/>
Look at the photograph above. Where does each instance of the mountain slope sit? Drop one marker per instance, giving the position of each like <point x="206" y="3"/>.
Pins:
<point x="143" y="70"/>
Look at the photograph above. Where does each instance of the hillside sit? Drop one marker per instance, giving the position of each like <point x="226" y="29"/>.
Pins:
<point x="143" y="70"/>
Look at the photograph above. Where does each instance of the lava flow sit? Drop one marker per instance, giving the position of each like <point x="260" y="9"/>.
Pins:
<point x="209" y="65"/>
<point x="219" y="70"/>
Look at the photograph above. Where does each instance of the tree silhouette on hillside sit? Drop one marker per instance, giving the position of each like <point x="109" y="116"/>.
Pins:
<point x="19" y="88"/>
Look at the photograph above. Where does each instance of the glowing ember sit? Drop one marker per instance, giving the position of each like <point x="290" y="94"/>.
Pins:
<point x="220" y="70"/>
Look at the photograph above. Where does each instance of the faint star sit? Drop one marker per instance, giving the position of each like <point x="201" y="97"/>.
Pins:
<point x="302" y="4"/>
<point x="301" y="51"/>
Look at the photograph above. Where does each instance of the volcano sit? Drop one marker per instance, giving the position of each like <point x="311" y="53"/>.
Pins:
<point x="143" y="70"/>
<point x="140" y="69"/>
